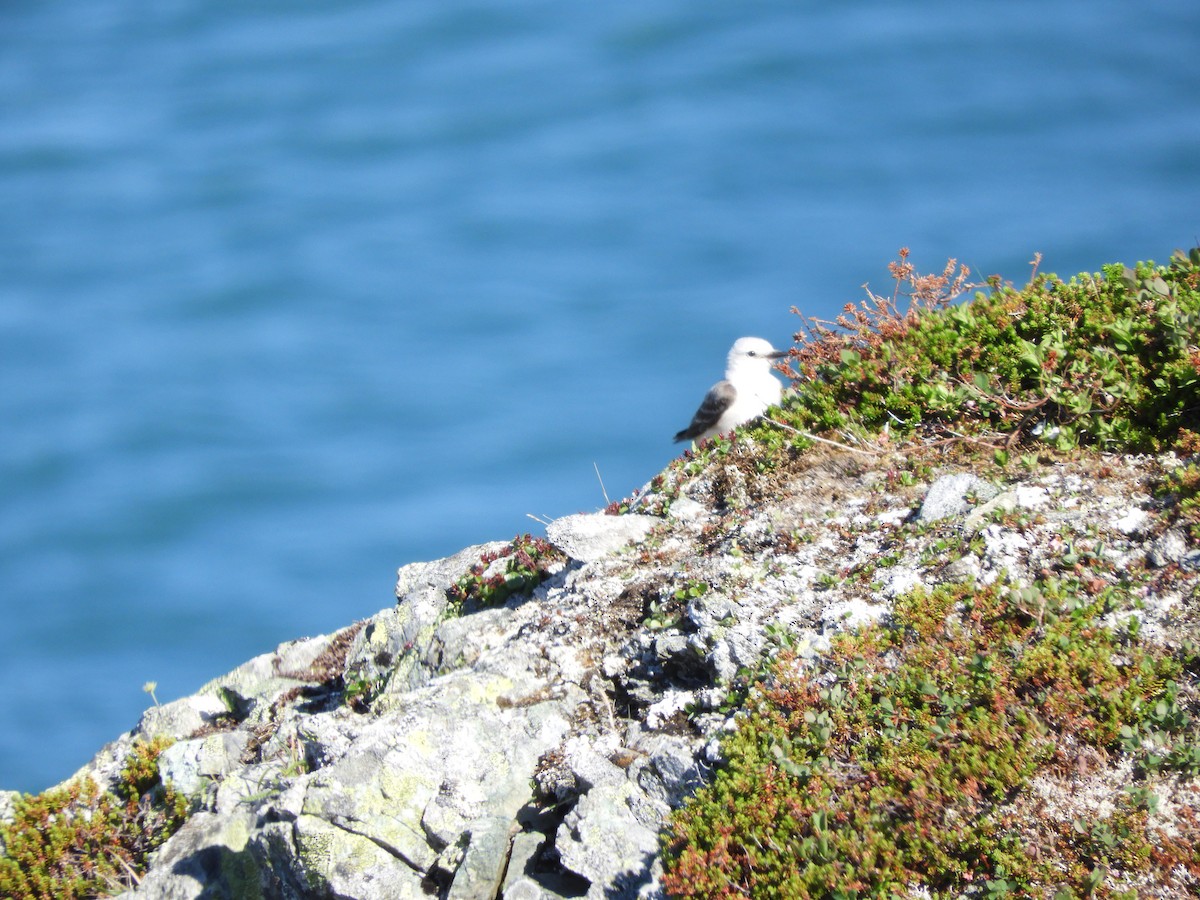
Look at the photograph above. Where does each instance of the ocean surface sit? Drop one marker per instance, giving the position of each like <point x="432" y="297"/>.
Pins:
<point x="292" y="294"/>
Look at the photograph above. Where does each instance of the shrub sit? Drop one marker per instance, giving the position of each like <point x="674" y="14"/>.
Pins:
<point x="79" y="841"/>
<point x="903" y="758"/>
<point x="1109" y="359"/>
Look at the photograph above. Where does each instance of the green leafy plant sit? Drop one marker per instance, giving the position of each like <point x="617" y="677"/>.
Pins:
<point x="691" y="590"/>
<point x="527" y="562"/>
<point x="662" y="614"/>
<point x="360" y="690"/>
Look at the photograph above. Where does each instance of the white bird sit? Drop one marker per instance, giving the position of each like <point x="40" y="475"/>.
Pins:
<point x="748" y="389"/>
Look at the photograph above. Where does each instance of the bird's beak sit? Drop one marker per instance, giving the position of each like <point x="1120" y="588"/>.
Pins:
<point x="777" y="354"/>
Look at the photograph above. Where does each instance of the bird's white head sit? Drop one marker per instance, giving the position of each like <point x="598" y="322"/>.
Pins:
<point x="751" y="353"/>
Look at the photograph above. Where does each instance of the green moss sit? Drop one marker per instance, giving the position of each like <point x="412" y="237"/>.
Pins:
<point x="905" y="757"/>
<point x="79" y="841"/>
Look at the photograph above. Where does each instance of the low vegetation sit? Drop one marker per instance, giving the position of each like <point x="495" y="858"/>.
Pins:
<point x="80" y="841"/>
<point x="936" y="752"/>
<point x="906" y="757"/>
<point x="1107" y="359"/>
<point x="917" y="756"/>
<point x="516" y="568"/>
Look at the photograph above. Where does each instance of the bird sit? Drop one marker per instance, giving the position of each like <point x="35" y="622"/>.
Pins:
<point x="745" y="393"/>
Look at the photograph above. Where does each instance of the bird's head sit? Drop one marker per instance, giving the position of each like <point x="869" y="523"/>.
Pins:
<point x="752" y="352"/>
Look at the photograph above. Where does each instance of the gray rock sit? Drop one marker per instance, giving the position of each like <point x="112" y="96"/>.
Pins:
<point x="979" y="517"/>
<point x="265" y="786"/>
<point x="1130" y="521"/>
<point x="739" y="647"/>
<point x="481" y="871"/>
<point x="182" y="717"/>
<point x="8" y="800"/>
<point x="850" y="614"/>
<point x="589" y="762"/>
<point x="947" y="497"/>
<point x="209" y="858"/>
<point x="424" y="584"/>
<point x="252" y="688"/>
<point x="588" y="537"/>
<point x="329" y="860"/>
<point x="685" y="509"/>
<point x="453" y="734"/>
<point x="672" y="704"/>
<point x="395" y="650"/>
<point x="670" y="643"/>
<point x="900" y="581"/>
<point x="1003" y="552"/>
<point x="711" y="610"/>
<point x="603" y="841"/>
<point x="459" y="642"/>
<point x="1169" y="547"/>
<point x="465" y="730"/>
<point x="965" y="568"/>
<point x="186" y="764"/>
<point x="671" y="773"/>
<point x="1030" y="496"/>
<point x="518" y="885"/>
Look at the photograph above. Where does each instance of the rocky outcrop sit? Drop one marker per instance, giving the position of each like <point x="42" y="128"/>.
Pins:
<point x="534" y="750"/>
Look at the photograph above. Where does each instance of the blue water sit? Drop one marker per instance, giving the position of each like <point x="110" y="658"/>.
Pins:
<point x="294" y="293"/>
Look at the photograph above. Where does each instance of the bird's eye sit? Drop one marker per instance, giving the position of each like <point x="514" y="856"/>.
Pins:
<point x="751" y="353"/>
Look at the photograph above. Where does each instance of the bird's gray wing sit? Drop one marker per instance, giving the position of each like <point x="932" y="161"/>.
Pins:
<point x="718" y="399"/>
